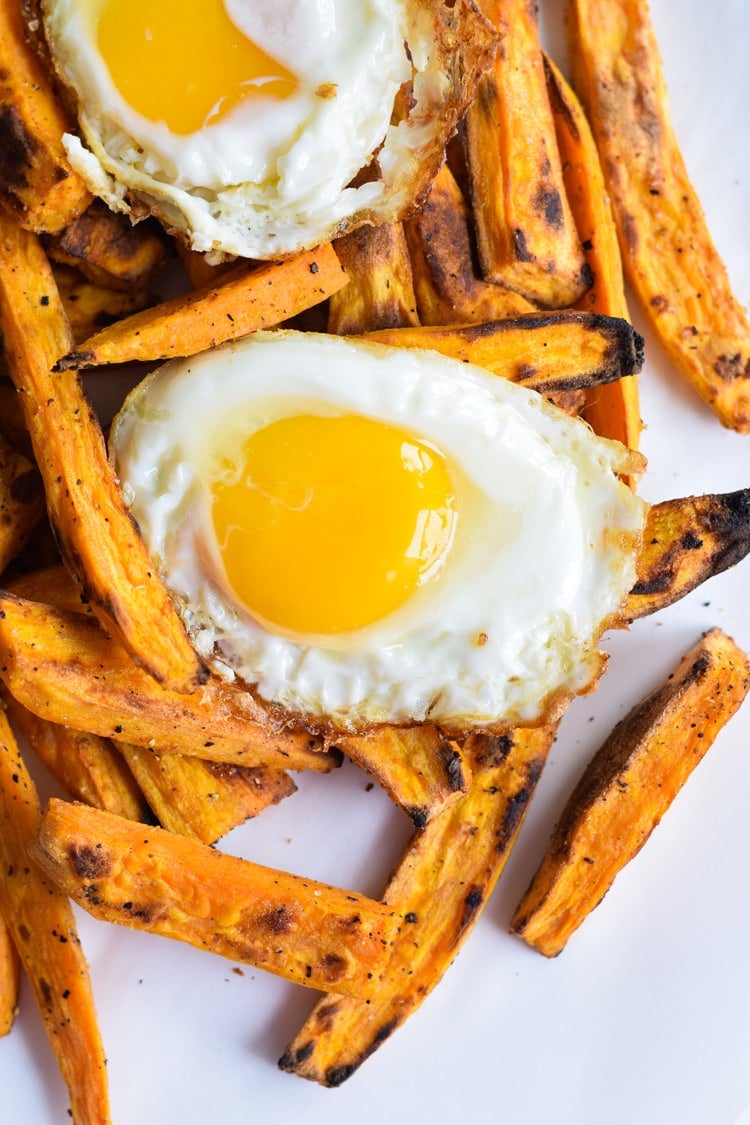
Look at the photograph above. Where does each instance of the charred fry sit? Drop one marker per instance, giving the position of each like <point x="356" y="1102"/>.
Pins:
<point x="439" y="888"/>
<point x="545" y="351"/>
<point x="685" y="542"/>
<point x="447" y="283"/>
<point x="525" y="232"/>
<point x="37" y="184"/>
<point x="380" y="293"/>
<point x="628" y="786"/>
<point x="108" y="249"/>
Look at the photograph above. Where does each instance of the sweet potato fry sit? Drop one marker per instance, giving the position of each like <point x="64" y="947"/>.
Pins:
<point x="108" y="249"/>
<point x="670" y="260"/>
<point x="41" y="923"/>
<point x="203" y="799"/>
<point x="613" y="409"/>
<point x="420" y="769"/>
<point x="90" y="306"/>
<point x="10" y="971"/>
<point x="545" y="351"/>
<point x="249" y="298"/>
<point x="526" y="236"/>
<point x="37" y="184"/>
<point x="628" y="786"/>
<point x="63" y="667"/>
<point x="447" y="284"/>
<point x="380" y="293"/>
<point x="88" y="767"/>
<point x="439" y="888"/>
<point x="97" y="536"/>
<point x="51" y="585"/>
<point x="155" y="880"/>
<point x="21" y="501"/>
<point x="686" y="542"/>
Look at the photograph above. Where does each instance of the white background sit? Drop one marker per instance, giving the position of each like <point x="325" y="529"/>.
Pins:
<point x="645" y="1017"/>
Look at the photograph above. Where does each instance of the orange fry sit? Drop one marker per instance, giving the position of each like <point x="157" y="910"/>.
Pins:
<point x="41" y="923"/>
<point x="250" y="298"/>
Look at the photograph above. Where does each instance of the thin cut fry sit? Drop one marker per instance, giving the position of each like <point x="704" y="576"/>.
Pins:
<point x="686" y="542"/>
<point x="10" y="971"/>
<point x="98" y="539"/>
<point x="43" y="929"/>
<point x="21" y="501"/>
<point x="88" y="767"/>
<point x="447" y="284"/>
<point x="628" y="786"/>
<point x="670" y="260"/>
<point x="37" y="184"/>
<point x="445" y="877"/>
<point x="612" y="410"/>
<point x="545" y="351"/>
<point x="155" y="880"/>
<point x="526" y="236"/>
<point x="380" y="293"/>
<point x="250" y="298"/>
<point x="108" y="249"/>
<point x="203" y="799"/>
<point x="420" y="769"/>
<point x="63" y="667"/>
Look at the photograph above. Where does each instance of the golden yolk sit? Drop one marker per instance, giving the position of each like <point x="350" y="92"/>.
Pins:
<point x="329" y="524"/>
<point x="183" y="61"/>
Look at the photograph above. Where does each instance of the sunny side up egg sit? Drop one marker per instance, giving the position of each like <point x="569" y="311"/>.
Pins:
<point x="244" y="124"/>
<point x="373" y="535"/>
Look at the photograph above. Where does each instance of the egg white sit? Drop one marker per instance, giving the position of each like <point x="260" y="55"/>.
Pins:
<point x="544" y="551"/>
<point x="272" y="176"/>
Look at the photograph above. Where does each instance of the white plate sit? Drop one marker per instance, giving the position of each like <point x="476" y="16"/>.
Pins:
<point x="644" y="1017"/>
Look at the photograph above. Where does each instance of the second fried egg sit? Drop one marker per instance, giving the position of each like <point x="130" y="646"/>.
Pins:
<point x="371" y="535"/>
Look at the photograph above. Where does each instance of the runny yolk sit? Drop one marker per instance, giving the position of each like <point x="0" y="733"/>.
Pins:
<point x="327" y="524"/>
<point x="183" y="61"/>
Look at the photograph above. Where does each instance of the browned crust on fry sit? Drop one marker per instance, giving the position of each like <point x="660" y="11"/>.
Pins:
<point x="447" y="282"/>
<point x="37" y="184"/>
<point x="670" y="260"/>
<point x="303" y="930"/>
<point x="380" y="293"/>
<point x="546" y="351"/>
<point x="439" y="888"/>
<point x="628" y="786"/>
<point x="108" y="248"/>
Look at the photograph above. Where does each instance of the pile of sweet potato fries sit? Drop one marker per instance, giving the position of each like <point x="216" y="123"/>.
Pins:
<point x="550" y="196"/>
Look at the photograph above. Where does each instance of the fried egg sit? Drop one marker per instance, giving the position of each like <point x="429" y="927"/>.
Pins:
<point x="367" y="535"/>
<point x="244" y="124"/>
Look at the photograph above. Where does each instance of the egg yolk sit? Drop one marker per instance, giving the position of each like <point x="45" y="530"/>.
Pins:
<point x="327" y="524"/>
<point x="184" y="62"/>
